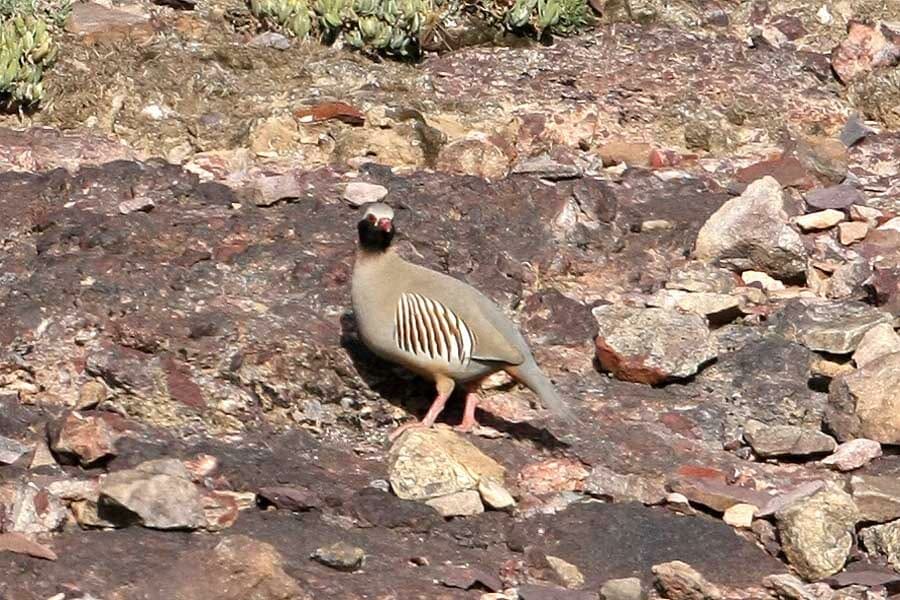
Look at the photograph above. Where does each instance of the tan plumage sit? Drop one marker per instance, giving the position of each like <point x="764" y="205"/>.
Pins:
<point x="435" y="325"/>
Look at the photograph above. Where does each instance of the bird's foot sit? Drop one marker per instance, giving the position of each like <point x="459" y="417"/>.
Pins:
<point x="406" y="427"/>
<point x="467" y="425"/>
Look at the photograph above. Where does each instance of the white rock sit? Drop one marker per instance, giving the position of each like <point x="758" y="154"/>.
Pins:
<point x="823" y="219"/>
<point x="893" y="225"/>
<point x="358" y="193"/>
<point x="768" y="283"/>
<point x="740" y="515"/>
<point x="877" y="342"/>
<point x="459" y="504"/>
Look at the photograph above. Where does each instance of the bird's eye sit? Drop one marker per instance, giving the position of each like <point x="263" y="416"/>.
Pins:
<point x="372" y="218"/>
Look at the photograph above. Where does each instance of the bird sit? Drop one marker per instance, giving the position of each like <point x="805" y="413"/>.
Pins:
<point x="436" y="326"/>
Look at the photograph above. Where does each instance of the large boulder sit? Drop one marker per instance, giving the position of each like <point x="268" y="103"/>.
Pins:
<point x="866" y="403"/>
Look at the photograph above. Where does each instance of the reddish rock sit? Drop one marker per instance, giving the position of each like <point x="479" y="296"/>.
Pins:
<point x="633" y="154"/>
<point x="553" y="476"/>
<point x="87" y="438"/>
<point x="97" y="23"/>
<point x="709" y="487"/>
<point x="19" y="544"/>
<point x="836" y="196"/>
<point x="787" y="170"/>
<point x="477" y="156"/>
<point x="866" y="47"/>
<point x="330" y="110"/>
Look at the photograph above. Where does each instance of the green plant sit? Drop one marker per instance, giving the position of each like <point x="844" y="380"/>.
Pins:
<point x="26" y="49"/>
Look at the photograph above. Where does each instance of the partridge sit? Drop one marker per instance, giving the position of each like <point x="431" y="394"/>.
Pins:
<point x="436" y="326"/>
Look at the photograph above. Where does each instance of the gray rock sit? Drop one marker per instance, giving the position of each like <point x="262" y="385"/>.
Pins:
<point x="701" y="277"/>
<point x="35" y="510"/>
<point x="358" y="193"/>
<point x="270" y="39"/>
<point x="834" y="326"/>
<point x="546" y="168"/>
<point x="158" y="494"/>
<point x="495" y="495"/>
<point x="883" y="540"/>
<point x="11" y="450"/>
<point x="680" y="581"/>
<point x="629" y="588"/>
<point x="877" y="496"/>
<point x="855" y="130"/>
<point x="788" y="587"/>
<point x="341" y="556"/>
<point x="786" y="440"/>
<point x="817" y="532"/>
<point x="651" y="345"/>
<point x="853" y="454"/>
<point x="849" y="281"/>
<point x="836" y="196"/>
<point x="606" y="483"/>
<point x="866" y="403"/>
<point x="753" y="232"/>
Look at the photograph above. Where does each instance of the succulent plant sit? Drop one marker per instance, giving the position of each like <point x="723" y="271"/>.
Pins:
<point x="292" y="17"/>
<point x="26" y="49"/>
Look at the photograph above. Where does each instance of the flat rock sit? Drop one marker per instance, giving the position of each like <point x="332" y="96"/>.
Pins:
<point x="466" y="503"/>
<point x="834" y="326"/>
<point x="877" y="496"/>
<point x="531" y="591"/>
<point x="358" y="193"/>
<point x="753" y="232"/>
<point x="823" y="219"/>
<point x="788" y="587"/>
<point x="717" y="308"/>
<point x="11" y="450"/>
<point x="633" y="154"/>
<point x="494" y="495"/>
<point x="341" y="556"/>
<point x="289" y="498"/>
<point x="701" y="277"/>
<point x="158" y="494"/>
<point x="236" y="568"/>
<point x="883" y="540"/>
<point x="430" y="463"/>
<point x="853" y="454"/>
<point x="567" y="573"/>
<point x="651" y="345"/>
<point x="626" y="588"/>
<point x="786" y="440"/>
<point x="87" y="438"/>
<point x="765" y="281"/>
<point x="740" y="515"/>
<point x="90" y="19"/>
<point x="709" y="487"/>
<point x="546" y="167"/>
<point x="790" y="497"/>
<point x="817" y="532"/>
<point x="270" y="39"/>
<point x="834" y="197"/>
<point x="852" y="232"/>
<point x="680" y="581"/>
<point x="866" y="403"/>
<point x="20" y="544"/>
<point x="605" y="483"/>
<point x="879" y="341"/>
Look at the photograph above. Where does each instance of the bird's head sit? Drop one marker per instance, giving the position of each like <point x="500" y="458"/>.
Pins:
<point x="376" y="228"/>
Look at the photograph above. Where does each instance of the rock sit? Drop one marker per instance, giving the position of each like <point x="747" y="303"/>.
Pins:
<point x="700" y="277"/>
<point x="158" y="494"/>
<point x="788" y="587"/>
<point x="827" y="157"/>
<point x="11" y="450"/>
<point x="274" y="135"/>
<point x="237" y="568"/>
<point x="850" y="281"/>
<point x="568" y="573"/>
<point x="853" y="454"/>
<point x="656" y="225"/>
<point x="752" y="232"/>
<point x="767" y="283"/>
<point x="830" y="369"/>
<point x="834" y="197"/>
<point x="270" y="39"/>
<point x="609" y="485"/>
<point x="290" y="498"/>
<point x="34" y="510"/>
<point x="358" y="193"/>
<point x="866" y="403"/>
<point x="709" y="487"/>
<point x="552" y="476"/>
<point x="877" y="496"/>
<point x="717" y="308"/>
<point x="823" y="219"/>
<point x="466" y="503"/>
<point x="883" y="540"/>
<point x="19" y="544"/>
<point x="890" y="225"/>
<point x="679" y="581"/>
<point x="530" y="591"/>
<point x="790" y="498"/>
<point x="139" y="204"/>
<point x="268" y="191"/>
<point x="786" y="170"/>
<point x="786" y="440"/>
<point x="378" y="508"/>
<point x="629" y="588"/>
<point x="341" y="556"/>
<point x="427" y="464"/>
<point x="817" y="532"/>
<point x="546" y="168"/>
<point x="477" y="156"/>
<point x="740" y="515"/>
<point x="495" y="495"/>
<point x="96" y="22"/>
<point x="630" y="153"/>
<point x="865" y="48"/>
<point x="651" y="345"/>
<point x="878" y="341"/>
<point x="854" y="131"/>
<point x="86" y="438"/>
<point x="466" y="578"/>
<point x="90" y="394"/>
<point x="865" y="214"/>
<point x="833" y="326"/>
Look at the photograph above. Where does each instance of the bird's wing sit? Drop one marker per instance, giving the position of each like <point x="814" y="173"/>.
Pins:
<point x="440" y="317"/>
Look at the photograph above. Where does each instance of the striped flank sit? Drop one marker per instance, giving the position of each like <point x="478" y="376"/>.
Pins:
<point x="430" y="330"/>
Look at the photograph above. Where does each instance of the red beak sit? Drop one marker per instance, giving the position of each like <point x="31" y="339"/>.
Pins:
<point x="385" y="225"/>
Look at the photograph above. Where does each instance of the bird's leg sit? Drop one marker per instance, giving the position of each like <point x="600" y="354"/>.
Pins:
<point x="444" y="388"/>
<point x="468" y="421"/>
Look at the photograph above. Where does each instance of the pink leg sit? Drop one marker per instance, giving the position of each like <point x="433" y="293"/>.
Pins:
<point x="444" y="388"/>
<point x="468" y="421"/>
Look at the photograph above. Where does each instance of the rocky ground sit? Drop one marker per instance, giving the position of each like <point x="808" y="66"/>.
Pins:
<point x="692" y="212"/>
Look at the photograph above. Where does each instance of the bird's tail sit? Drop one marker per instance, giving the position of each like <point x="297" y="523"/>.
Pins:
<point x="530" y="374"/>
